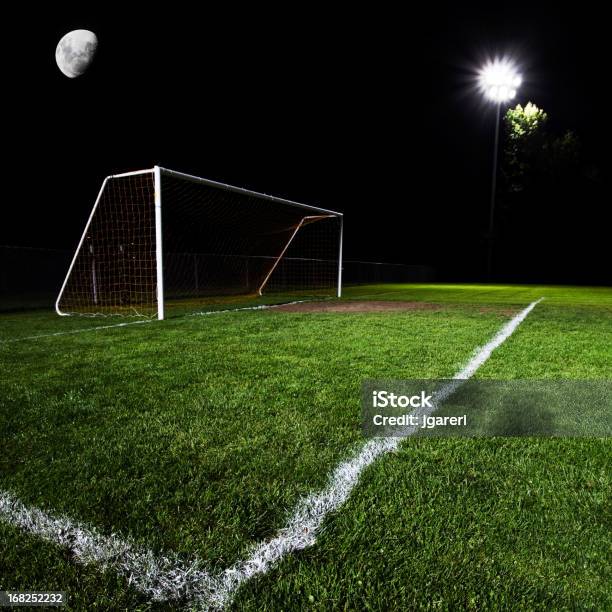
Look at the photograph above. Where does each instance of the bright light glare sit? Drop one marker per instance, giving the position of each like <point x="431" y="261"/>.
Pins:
<point x="499" y="80"/>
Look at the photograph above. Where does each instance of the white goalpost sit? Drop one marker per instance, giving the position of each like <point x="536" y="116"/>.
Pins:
<point x="157" y="239"/>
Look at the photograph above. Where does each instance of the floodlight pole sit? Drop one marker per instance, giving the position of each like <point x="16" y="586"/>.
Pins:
<point x="493" y="192"/>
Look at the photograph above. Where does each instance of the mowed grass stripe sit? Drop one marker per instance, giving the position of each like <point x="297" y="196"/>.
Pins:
<point x="485" y="294"/>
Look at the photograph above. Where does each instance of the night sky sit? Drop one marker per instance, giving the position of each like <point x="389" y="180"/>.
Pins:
<point x="366" y="111"/>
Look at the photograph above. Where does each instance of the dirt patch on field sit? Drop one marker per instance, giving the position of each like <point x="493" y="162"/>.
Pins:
<point x="349" y="306"/>
<point x="503" y="310"/>
<point x="357" y="306"/>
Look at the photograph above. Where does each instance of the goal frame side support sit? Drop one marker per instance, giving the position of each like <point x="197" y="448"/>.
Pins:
<point x="293" y="235"/>
<point x="78" y="250"/>
<point x="84" y="234"/>
<point x="277" y="260"/>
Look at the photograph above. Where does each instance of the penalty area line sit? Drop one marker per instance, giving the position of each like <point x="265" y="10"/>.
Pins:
<point x="166" y="578"/>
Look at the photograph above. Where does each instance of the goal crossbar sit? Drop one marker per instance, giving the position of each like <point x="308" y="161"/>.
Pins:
<point x="247" y="192"/>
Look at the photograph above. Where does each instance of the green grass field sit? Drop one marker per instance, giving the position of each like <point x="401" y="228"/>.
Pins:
<point x="198" y="436"/>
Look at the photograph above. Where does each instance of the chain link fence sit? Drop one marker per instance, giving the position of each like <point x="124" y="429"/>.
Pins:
<point x="32" y="277"/>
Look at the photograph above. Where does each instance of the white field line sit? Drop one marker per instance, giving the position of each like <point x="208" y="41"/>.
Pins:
<point x="300" y="531"/>
<point x="205" y="312"/>
<point x="260" y="307"/>
<point x="165" y="578"/>
<point x="75" y="331"/>
<point x="160" y="577"/>
<point x="194" y="314"/>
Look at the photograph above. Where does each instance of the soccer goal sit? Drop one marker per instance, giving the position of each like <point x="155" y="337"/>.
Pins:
<point x="158" y="239"/>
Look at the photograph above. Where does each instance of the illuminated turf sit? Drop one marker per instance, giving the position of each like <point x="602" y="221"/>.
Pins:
<point x="197" y="435"/>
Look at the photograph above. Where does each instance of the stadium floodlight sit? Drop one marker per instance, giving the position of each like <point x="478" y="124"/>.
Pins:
<point x="499" y="81"/>
<point x="157" y="238"/>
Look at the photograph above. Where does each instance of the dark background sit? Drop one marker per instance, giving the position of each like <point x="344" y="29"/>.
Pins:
<point x="369" y="111"/>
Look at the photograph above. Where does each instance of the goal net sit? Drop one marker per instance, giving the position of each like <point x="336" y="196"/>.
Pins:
<point x="159" y="241"/>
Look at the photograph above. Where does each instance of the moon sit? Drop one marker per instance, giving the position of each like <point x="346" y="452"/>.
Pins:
<point x="75" y="52"/>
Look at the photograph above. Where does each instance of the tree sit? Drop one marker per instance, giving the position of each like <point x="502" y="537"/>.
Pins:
<point x="525" y="131"/>
<point x="544" y="192"/>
